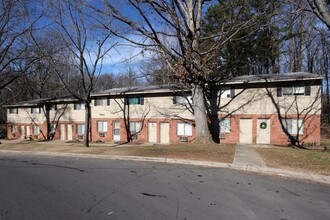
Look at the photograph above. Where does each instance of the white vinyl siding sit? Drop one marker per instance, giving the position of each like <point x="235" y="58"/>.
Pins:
<point x="184" y="129"/>
<point x="102" y="126"/>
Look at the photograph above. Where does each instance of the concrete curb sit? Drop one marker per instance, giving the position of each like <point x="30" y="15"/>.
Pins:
<point x="240" y="167"/>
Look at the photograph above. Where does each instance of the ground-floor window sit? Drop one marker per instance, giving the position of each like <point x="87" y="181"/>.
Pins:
<point x="14" y="128"/>
<point x="134" y="127"/>
<point x="293" y="125"/>
<point x="184" y="129"/>
<point x="36" y="130"/>
<point x="102" y="126"/>
<point x="80" y="129"/>
<point x="221" y="125"/>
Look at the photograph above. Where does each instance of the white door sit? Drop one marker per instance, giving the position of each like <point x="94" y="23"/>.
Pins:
<point x="69" y="129"/>
<point x="164" y="133"/>
<point x="116" y="131"/>
<point x="28" y="132"/>
<point x="22" y="131"/>
<point x="245" y="131"/>
<point x="152" y="132"/>
<point x="263" y="131"/>
<point x="62" y="132"/>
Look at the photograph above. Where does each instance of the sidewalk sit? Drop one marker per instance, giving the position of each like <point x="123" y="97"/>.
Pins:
<point x="246" y="159"/>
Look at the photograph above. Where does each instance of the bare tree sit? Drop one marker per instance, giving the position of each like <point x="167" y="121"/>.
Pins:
<point x="173" y="29"/>
<point x="321" y="9"/>
<point x="87" y="46"/>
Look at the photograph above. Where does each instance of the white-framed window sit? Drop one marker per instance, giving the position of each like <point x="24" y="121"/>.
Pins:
<point x="134" y="100"/>
<point x="80" y="129"/>
<point x="102" y="101"/>
<point x="225" y="93"/>
<point x="180" y="99"/>
<point x="14" y="128"/>
<point x="293" y="90"/>
<point x="36" y="130"/>
<point x="224" y="125"/>
<point x="52" y="128"/>
<point x="35" y="110"/>
<point x="102" y="126"/>
<point x="79" y="106"/>
<point x="13" y="111"/>
<point x="134" y="127"/>
<point x="184" y="129"/>
<point x="293" y="125"/>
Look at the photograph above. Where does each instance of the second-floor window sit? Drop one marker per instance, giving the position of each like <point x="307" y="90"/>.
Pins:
<point x="79" y="106"/>
<point x="13" y="111"/>
<point x="102" y="102"/>
<point x="134" y="100"/>
<point x="287" y="90"/>
<point x="35" y="110"/>
<point x="180" y="99"/>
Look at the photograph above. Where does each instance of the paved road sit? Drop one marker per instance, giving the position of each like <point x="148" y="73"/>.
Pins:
<point x="35" y="187"/>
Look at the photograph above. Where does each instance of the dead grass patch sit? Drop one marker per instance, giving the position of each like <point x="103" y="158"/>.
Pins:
<point x="316" y="161"/>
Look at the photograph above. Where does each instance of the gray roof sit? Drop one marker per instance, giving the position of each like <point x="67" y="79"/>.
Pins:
<point x="274" y="78"/>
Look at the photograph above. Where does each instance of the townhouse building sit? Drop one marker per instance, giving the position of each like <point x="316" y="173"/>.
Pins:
<point x="245" y="110"/>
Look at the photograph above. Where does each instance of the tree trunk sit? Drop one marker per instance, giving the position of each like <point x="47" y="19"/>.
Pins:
<point x="202" y="130"/>
<point x="87" y="124"/>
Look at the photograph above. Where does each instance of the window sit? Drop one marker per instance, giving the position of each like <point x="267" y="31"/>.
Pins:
<point x="134" y="100"/>
<point x="184" y="129"/>
<point x="52" y="128"/>
<point x="179" y="99"/>
<point x="52" y="107"/>
<point x="14" y="128"/>
<point x="102" y="126"/>
<point x="293" y="90"/>
<point x="224" y="125"/>
<point x="79" y="106"/>
<point x="134" y="127"/>
<point x="13" y="111"/>
<point x="80" y="129"/>
<point x="102" y="102"/>
<point x="35" y="110"/>
<point x="221" y="125"/>
<point x="293" y="125"/>
<point x="36" y="130"/>
<point x="224" y="93"/>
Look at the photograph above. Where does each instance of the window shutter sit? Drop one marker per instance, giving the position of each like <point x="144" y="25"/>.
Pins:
<point x="307" y="90"/>
<point x="174" y="99"/>
<point x="141" y="100"/>
<point x="232" y="92"/>
<point x="279" y="90"/>
<point x="75" y="106"/>
<point x="126" y="100"/>
<point x="95" y="102"/>
<point x="108" y="101"/>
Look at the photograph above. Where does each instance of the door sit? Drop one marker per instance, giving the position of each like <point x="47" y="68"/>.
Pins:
<point x="164" y="133"/>
<point x="152" y="132"/>
<point x="245" y="131"/>
<point x="116" y="131"/>
<point x="69" y="129"/>
<point x="22" y="131"/>
<point x="62" y="132"/>
<point x="28" y="132"/>
<point x="263" y="131"/>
